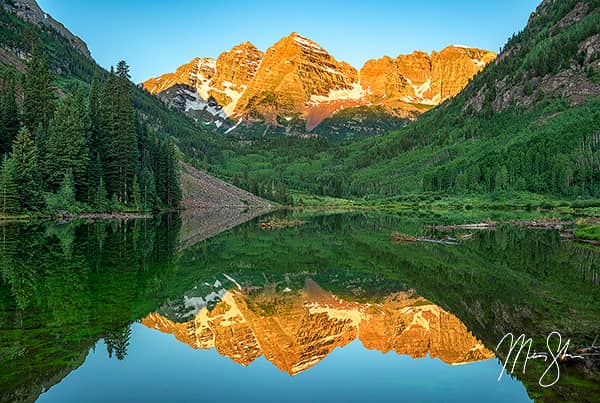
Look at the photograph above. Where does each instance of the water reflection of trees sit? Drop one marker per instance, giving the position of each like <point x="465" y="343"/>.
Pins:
<point x="66" y="286"/>
<point x="117" y="342"/>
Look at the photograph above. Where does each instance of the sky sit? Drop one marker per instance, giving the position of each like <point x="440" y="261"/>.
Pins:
<point x="156" y="37"/>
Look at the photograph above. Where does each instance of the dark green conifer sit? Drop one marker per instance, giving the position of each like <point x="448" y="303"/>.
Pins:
<point x="25" y="158"/>
<point x="67" y="147"/>
<point x="9" y="197"/>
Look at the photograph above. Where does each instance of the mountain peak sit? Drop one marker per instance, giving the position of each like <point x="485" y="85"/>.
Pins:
<point x="298" y="77"/>
<point x="295" y="73"/>
<point x="306" y="43"/>
<point x="244" y="45"/>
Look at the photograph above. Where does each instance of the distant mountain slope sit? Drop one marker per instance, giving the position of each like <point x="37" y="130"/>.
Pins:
<point x="297" y="79"/>
<point x="557" y="55"/>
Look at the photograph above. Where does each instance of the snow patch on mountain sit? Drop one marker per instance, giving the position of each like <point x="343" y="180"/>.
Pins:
<point x="420" y="89"/>
<point x="233" y="94"/>
<point x="479" y="63"/>
<point x="355" y="92"/>
<point x="419" y="96"/>
<point x="202" y="81"/>
<point x="308" y="44"/>
<point x="198" y="103"/>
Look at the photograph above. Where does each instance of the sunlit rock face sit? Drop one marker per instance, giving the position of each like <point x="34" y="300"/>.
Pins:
<point x="296" y="78"/>
<point x="206" y="88"/>
<point x="414" y="82"/>
<point x="295" y="75"/>
<point x="295" y="330"/>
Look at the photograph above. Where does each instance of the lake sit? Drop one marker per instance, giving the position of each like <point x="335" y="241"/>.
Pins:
<point x="210" y="306"/>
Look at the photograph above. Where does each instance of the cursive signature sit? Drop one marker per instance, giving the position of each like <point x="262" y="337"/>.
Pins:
<point x="552" y="356"/>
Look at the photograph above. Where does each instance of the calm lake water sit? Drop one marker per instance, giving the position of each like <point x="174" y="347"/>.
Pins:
<point x="183" y="309"/>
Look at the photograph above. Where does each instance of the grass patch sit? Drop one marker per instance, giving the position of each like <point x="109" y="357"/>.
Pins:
<point x="591" y="232"/>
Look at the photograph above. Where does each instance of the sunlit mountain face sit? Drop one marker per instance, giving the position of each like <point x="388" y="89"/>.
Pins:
<point x="296" y="329"/>
<point x="299" y="84"/>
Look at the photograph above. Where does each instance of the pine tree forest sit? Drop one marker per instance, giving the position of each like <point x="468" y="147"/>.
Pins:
<point x="82" y="151"/>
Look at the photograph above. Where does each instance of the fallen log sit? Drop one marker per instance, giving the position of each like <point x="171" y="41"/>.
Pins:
<point x="486" y="225"/>
<point x="442" y="242"/>
<point x="399" y="237"/>
<point x="280" y="223"/>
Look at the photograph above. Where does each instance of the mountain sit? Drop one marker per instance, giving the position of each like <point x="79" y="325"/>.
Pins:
<point x="420" y="79"/>
<point x="31" y="12"/>
<point x="296" y="85"/>
<point x="297" y="329"/>
<point x="527" y="123"/>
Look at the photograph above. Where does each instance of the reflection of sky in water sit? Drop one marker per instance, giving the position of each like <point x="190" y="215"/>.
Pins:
<point x="160" y="368"/>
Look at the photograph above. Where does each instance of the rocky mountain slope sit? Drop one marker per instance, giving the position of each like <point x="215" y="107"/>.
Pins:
<point x="557" y="55"/>
<point x="30" y="11"/>
<point x="298" y="79"/>
<point x="297" y="329"/>
<point x="201" y="190"/>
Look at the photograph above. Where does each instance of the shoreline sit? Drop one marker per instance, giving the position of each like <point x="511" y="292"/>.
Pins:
<point x="70" y="217"/>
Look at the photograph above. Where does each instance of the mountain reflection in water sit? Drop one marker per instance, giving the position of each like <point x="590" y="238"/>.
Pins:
<point x="295" y="330"/>
<point x="80" y="303"/>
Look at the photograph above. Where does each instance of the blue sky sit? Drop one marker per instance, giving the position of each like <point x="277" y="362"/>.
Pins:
<point x="157" y="36"/>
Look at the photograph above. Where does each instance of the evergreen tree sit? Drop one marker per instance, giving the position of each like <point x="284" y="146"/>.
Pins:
<point x="64" y="199"/>
<point x="84" y="187"/>
<point x="40" y="141"/>
<point x="94" y="178"/>
<point x="106" y="119"/>
<point x="93" y="113"/>
<point x="173" y="190"/>
<point x="148" y="188"/>
<point x="142" y="141"/>
<point x="26" y="164"/>
<point x="123" y="70"/>
<point x="117" y="123"/>
<point x="94" y="144"/>
<point x="9" y="114"/>
<point x="117" y="342"/>
<point x="137" y="195"/>
<point x="67" y="147"/>
<point x="101" y="201"/>
<point x="159" y="162"/>
<point x="39" y="94"/>
<point x="9" y="197"/>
